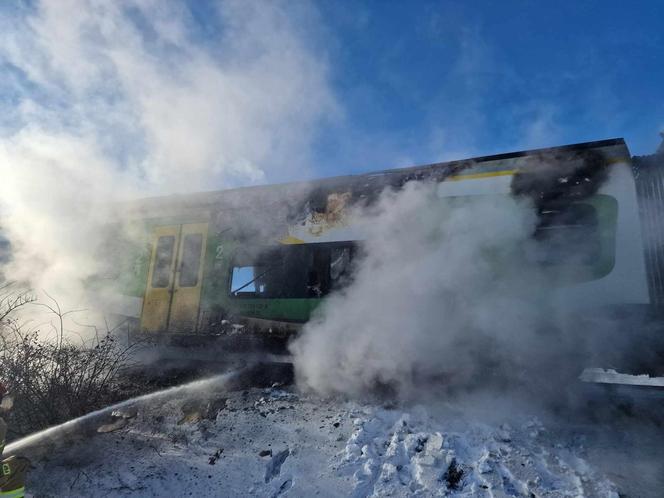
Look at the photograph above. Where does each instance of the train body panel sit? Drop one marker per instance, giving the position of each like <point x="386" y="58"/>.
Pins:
<point x="266" y="257"/>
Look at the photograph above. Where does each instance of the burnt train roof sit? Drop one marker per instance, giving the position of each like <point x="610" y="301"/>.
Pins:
<point x="372" y="180"/>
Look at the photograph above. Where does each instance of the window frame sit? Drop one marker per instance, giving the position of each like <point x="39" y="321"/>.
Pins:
<point x="241" y="260"/>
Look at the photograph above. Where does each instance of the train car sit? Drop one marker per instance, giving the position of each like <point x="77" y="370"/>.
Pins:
<point x="254" y="263"/>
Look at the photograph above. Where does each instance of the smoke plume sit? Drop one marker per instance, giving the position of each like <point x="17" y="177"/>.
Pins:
<point x="105" y="101"/>
<point x="447" y="289"/>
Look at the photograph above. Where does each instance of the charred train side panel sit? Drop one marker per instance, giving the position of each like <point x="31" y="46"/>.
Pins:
<point x="267" y="256"/>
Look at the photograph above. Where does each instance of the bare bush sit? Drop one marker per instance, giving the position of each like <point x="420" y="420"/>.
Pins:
<point x="54" y="377"/>
<point x="11" y="300"/>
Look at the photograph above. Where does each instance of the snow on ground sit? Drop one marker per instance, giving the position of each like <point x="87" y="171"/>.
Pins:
<point x="274" y="442"/>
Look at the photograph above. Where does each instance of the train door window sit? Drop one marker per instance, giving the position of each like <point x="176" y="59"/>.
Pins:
<point x="191" y="259"/>
<point x="161" y="275"/>
<point x="568" y="234"/>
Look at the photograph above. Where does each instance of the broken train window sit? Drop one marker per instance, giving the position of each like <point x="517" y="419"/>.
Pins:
<point x="295" y="271"/>
<point x="567" y="234"/>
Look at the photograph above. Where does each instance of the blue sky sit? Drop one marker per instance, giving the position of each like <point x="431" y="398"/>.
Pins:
<point x="212" y="93"/>
<point x="434" y="79"/>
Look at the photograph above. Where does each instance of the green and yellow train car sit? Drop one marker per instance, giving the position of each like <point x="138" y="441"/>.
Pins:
<point x="257" y="261"/>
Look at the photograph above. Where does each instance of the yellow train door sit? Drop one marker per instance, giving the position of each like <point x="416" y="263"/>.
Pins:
<point x="188" y="278"/>
<point x="173" y="290"/>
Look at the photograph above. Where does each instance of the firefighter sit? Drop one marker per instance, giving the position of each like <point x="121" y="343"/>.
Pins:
<point x="13" y="469"/>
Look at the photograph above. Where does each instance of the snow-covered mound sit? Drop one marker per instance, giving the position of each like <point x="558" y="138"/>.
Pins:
<point x="610" y="376"/>
<point x="399" y="454"/>
<point x="273" y="442"/>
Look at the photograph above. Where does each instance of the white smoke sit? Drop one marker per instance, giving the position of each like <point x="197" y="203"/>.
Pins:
<point x="105" y="101"/>
<point x="444" y="291"/>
